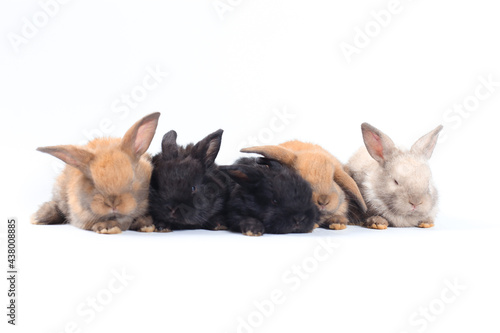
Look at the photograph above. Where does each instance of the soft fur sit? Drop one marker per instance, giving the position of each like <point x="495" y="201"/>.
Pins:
<point x="104" y="186"/>
<point x="332" y="187"/>
<point x="187" y="190"/>
<point x="268" y="197"/>
<point x="396" y="183"/>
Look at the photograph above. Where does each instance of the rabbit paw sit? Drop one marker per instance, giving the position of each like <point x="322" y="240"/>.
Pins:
<point x="376" y="222"/>
<point x="217" y="222"/>
<point x="252" y="227"/>
<point x="163" y="228"/>
<point x="426" y="224"/>
<point x="108" y="227"/>
<point x="251" y="233"/>
<point x="143" y="224"/>
<point x="149" y="228"/>
<point x="220" y="227"/>
<point x="337" y="222"/>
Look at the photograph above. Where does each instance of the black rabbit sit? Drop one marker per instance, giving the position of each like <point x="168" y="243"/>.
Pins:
<point x="268" y="198"/>
<point x="187" y="191"/>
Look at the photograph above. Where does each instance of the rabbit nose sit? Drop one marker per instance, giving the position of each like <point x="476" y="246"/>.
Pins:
<point x="298" y="220"/>
<point x="415" y="205"/>
<point x="323" y="200"/>
<point x="113" y="202"/>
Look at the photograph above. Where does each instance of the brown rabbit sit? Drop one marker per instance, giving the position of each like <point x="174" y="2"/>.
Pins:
<point x="105" y="184"/>
<point x="326" y="175"/>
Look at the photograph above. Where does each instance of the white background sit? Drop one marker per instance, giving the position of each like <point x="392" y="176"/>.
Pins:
<point x="233" y="70"/>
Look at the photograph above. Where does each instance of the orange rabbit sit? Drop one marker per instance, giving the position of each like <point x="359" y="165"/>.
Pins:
<point x="105" y="184"/>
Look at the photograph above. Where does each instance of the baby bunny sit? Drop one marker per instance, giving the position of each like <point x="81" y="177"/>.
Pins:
<point x="332" y="187"/>
<point x="187" y="190"/>
<point x="105" y="184"/>
<point x="268" y="197"/>
<point x="396" y="184"/>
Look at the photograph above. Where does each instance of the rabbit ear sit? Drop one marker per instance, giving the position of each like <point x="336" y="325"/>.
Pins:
<point x="242" y="174"/>
<point x="207" y="149"/>
<point x="138" y="138"/>
<point x="74" y="156"/>
<point x="271" y="164"/>
<point x="277" y="153"/>
<point x="349" y="185"/>
<point x="426" y="144"/>
<point x="169" y="146"/>
<point x="379" y="145"/>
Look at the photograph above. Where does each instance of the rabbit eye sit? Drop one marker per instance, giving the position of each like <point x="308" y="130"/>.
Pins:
<point x="193" y="189"/>
<point x="274" y="201"/>
<point x="396" y="182"/>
